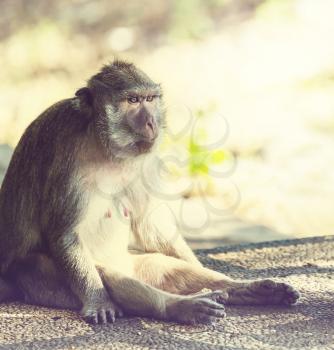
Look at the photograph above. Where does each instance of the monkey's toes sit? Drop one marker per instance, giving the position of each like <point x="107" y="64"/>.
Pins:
<point x="275" y="292"/>
<point x="197" y="309"/>
<point x="208" y="311"/>
<point x="291" y="295"/>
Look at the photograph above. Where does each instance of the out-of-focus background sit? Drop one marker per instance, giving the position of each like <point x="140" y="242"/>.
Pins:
<point x="257" y="73"/>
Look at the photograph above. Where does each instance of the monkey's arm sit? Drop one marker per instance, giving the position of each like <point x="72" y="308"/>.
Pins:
<point x="75" y="261"/>
<point x="182" y="249"/>
<point x="157" y="232"/>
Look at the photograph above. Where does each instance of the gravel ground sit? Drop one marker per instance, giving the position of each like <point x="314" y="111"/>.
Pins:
<point x="306" y="263"/>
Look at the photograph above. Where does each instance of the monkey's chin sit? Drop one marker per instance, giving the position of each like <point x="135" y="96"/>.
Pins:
<point x="144" y="146"/>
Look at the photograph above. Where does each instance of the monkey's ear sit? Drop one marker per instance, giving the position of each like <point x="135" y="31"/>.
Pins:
<point x="85" y="96"/>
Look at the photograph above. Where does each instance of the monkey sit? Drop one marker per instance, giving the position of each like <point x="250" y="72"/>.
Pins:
<point x="72" y="202"/>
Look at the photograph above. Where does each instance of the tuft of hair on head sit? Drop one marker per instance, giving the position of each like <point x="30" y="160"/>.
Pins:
<point x="121" y="64"/>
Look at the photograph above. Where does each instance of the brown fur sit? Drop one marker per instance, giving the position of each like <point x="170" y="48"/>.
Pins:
<point x="73" y="193"/>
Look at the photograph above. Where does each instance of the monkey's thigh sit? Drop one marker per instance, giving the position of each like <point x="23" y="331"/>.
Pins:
<point x="180" y="277"/>
<point x="41" y="283"/>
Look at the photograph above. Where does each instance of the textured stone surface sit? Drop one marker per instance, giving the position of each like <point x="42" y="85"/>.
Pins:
<point x="307" y="263"/>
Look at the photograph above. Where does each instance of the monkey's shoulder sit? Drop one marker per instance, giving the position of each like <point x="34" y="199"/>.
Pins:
<point x="64" y="118"/>
<point x="61" y="121"/>
<point x="49" y="142"/>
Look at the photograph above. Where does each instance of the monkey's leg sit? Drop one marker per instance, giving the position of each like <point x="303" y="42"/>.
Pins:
<point x="74" y="259"/>
<point x="40" y="283"/>
<point x="180" y="277"/>
<point x="139" y="299"/>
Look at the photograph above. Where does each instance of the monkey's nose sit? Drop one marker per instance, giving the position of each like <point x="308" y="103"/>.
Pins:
<point x="150" y="130"/>
<point x="149" y="125"/>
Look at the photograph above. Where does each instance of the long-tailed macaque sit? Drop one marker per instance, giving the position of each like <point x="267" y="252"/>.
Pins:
<point x="71" y="200"/>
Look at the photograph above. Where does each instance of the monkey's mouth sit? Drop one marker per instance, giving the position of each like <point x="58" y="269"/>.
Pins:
<point x="144" y="146"/>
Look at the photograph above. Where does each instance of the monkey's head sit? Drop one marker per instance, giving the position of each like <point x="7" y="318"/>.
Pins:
<point x="125" y="108"/>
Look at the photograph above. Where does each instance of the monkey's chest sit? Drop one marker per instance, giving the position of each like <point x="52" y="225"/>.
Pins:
<point x="105" y="231"/>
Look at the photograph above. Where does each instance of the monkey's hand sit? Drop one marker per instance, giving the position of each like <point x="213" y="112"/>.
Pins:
<point x="99" y="309"/>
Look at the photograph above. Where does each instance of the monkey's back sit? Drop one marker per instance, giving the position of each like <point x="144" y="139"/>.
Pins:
<point x="36" y="192"/>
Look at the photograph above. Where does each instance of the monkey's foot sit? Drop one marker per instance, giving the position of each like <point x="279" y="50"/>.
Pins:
<point x="200" y="308"/>
<point x="101" y="310"/>
<point x="262" y="292"/>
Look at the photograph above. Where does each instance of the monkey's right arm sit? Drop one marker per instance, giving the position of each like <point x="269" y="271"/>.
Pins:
<point x="83" y="278"/>
<point x="63" y="203"/>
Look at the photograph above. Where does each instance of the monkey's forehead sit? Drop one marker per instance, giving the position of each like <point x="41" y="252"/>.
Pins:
<point x="144" y="91"/>
<point x="140" y="91"/>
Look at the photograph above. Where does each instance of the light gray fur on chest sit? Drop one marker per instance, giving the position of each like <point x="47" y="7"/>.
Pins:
<point x="105" y="225"/>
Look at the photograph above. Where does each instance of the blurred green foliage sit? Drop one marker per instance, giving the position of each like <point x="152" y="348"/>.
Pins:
<point x="201" y="156"/>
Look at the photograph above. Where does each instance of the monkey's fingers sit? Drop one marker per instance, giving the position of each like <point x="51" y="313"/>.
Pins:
<point x="218" y="296"/>
<point x="101" y="315"/>
<point x="91" y="317"/>
<point x="110" y="316"/>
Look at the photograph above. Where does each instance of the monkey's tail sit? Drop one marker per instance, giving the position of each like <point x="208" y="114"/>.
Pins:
<point x="7" y="291"/>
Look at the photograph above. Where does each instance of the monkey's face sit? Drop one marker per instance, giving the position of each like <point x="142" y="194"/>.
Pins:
<point x="128" y="110"/>
<point x="142" y="119"/>
<point x="135" y="121"/>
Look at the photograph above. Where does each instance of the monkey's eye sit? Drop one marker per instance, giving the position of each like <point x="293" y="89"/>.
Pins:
<point x="150" y="98"/>
<point x="133" y="99"/>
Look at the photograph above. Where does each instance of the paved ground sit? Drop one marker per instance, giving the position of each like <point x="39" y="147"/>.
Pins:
<point x="307" y="263"/>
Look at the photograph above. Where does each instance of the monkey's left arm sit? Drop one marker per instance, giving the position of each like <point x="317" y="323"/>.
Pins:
<point x="157" y="232"/>
<point x="183" y="251"/>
